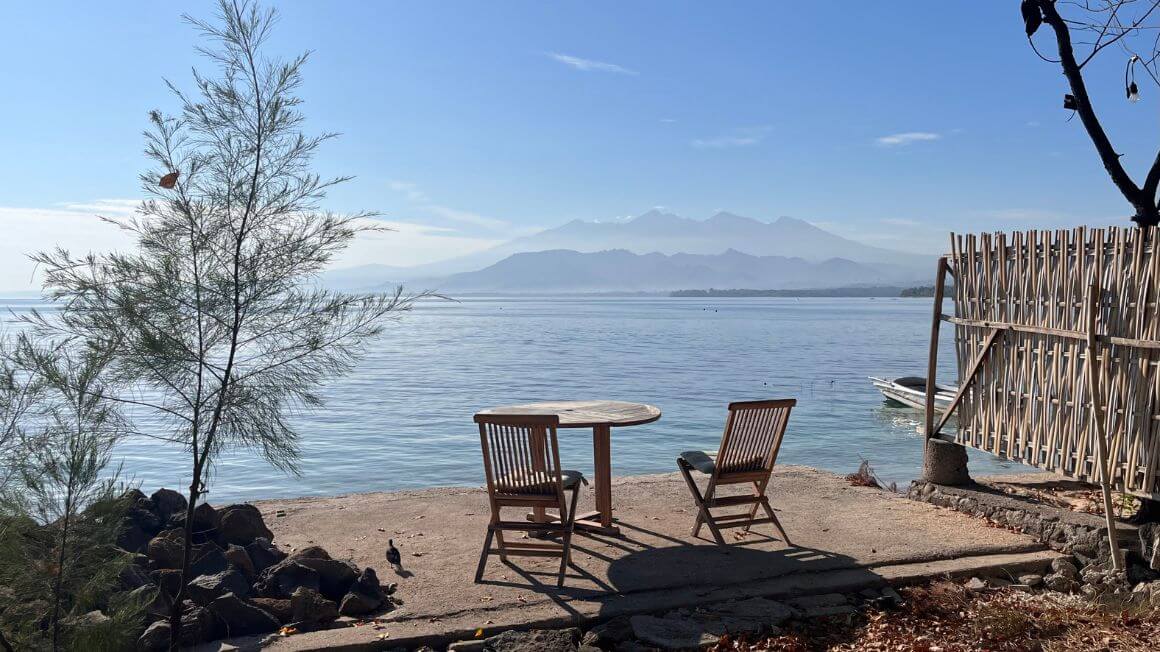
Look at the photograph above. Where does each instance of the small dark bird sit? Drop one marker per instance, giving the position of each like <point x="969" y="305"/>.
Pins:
<point x="393" y="556"/>
<point x="169" y="180"/>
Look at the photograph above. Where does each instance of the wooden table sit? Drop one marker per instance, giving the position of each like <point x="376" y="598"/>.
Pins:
<point x="601" y="416"/>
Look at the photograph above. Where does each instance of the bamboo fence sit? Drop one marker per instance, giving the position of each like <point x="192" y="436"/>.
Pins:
<point x="1032" y="310"/>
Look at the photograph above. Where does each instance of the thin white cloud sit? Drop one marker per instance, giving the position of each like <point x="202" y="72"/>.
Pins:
<point x="900" y="221"/>
<point x="668" y="121"/>
<point x="408" y="243"/>
<point x="409" y="189"/>
<point x="589" y="65"/>
<point x="73" y="226"/>
<point x="907" y="138"/>
<point x="742" y="137"/>
<point x="423" y="202"/>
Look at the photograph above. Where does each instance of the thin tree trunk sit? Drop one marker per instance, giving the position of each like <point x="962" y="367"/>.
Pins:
<point x="187" y="552"/>
<point x="62" y="557"/>
<point x="4" y="644"/>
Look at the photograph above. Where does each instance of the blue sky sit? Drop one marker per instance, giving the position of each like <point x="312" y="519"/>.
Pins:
<point x="467" y="123"/>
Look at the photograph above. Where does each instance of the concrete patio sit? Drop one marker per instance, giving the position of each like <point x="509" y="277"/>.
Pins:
<point x="845" y="538"/>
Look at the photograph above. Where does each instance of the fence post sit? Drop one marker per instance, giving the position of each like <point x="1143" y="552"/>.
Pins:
<point x="1106" y="477"/>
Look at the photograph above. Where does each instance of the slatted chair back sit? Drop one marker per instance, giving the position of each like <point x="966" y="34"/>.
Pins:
<point x="521" y="457"/>
<point x="752" y="438"/>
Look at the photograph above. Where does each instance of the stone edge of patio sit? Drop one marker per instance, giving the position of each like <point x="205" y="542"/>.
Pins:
<point x="841" y="581"/>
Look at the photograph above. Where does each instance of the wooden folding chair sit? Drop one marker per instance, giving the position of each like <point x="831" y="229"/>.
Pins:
<point x="521" y="459"/>
<point x="748" y="451"/>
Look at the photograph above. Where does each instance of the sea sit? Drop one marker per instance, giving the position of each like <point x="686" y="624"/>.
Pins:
<point x="403" y="418"/>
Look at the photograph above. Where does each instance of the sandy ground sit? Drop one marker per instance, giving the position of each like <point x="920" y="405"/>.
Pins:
<point x="844" y="534"/>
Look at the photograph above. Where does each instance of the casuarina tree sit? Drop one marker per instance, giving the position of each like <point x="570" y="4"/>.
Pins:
<point x="216" y="320"/>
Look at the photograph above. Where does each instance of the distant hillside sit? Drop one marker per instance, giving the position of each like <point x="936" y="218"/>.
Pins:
<point x="623" y="271"/>
<point x="868" y="291"/>
<point x="665" y="233"/>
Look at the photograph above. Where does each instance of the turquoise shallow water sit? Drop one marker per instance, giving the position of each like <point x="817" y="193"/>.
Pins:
<point x="403" y="418"/>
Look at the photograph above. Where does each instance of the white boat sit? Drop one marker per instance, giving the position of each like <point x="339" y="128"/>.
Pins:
<point x="910" y="391"/>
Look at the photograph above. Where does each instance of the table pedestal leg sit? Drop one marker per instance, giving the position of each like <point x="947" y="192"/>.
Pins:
<point x="601" y="519"/>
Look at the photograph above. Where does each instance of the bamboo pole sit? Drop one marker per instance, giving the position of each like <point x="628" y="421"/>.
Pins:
<point x="932" y="361"/>
<point x="976" y="366"/>
<point x="1101" y="436"/>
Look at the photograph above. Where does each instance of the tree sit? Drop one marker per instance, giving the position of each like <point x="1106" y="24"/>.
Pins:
<point x="59" y="508"/>
<point x="1132" y="27"/>
<point x="215" y="320"/>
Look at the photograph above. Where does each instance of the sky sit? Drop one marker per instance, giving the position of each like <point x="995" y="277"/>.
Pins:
<point x="466" y="124"/>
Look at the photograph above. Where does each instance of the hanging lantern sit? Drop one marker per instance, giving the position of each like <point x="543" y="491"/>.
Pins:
<point x="1130" y="88"/>
<point x="1133" y="93"/>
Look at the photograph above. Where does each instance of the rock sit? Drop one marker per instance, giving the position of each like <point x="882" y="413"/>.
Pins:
<point x="168" y="502"/>
<point x="998" y="582"/>
<point x="310" y="552"/>
<point x="155" y="638"/>
<point x="750" y="616"/>
<point x="279" y="608"/>
<point x="365" y="595"/>
<point x="609" y="633"/>
<point x="132" y="538"/>
<point x="264" y="554"/>
<point x="1061" y="583"/>
<point x="975" y="584"/>
<point x="334" y="577"/>
<point x="154" y="602"/>
<point x="208" y="559"/>
<point x="891" y="597"/>
<point x="1031" y="579"/>
<point x="94" y="618"/>
<point x="169" y="580"/>
<point x="1065" y="567"/>
<point x="282" y="579"/>
<point x="671" y="633"/>
<point x="197" y="625"/>
<point x="1149" y="534"/>
<point x="466" y="646"/>
<point x="205" y="589"/>
<point x="239" y="618"/>
<point x="166" y="549"/>
<point x="133" y="576"/>
<point x="540" y="640"/>
<point x="309" y="607"/>
<point x="240" y="559"/>
<point x="241" y="524"/>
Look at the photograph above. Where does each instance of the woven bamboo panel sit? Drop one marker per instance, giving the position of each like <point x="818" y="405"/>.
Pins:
<point x="1030" y="401"/>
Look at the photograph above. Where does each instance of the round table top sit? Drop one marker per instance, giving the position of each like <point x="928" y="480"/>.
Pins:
<point x="587" y="414"/>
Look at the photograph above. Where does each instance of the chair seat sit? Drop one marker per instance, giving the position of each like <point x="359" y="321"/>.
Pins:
<point x="538" y="482"/>
<point x="703" y="461"/>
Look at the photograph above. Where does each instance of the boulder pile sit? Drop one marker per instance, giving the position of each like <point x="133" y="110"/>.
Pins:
<point x="241" y="584"/>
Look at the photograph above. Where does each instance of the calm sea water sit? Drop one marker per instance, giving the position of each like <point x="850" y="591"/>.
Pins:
<point x="403" y="418"/>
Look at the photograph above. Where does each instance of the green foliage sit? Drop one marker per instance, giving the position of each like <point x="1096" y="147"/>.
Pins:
<point x="214" y="325"/>
<point x="59" y="510"/>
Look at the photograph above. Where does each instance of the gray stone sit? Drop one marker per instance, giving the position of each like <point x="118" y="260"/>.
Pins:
<point x="334" y="577"/>
<point x="1065" y="567"/>
<point x="155" y="603"/>
<point x="241" y="524"/>
<point x="205" y="589"/>
<point x="166" y="549"/>
<point x="133" y="577"/>
<point x="93" y="618"/>
<point x="240" y="559"/>
<point x="264" y="554"/>
<point x="1031" y="579"/>
<point x="975" y="584"/>
<point x="282" y="579"/>
<point x="540" y="640"/>
<point x="750" y="616"/>
<point x="1150" y="544"/>
<point x="609" y="633"/>
<point x="829" y="612"/>
<point x="1061" y="583"/>
<point x="168" y="502"/>
<point x="945" y="463"/>
<point x="823" y="600"/>
<point x="891" y="596"/>
<point x="155" y="638"/>
<point x="308" y="606"/>
<point x="466" y="646"/>
<point x="671" y="633"/>
<point x="365" y="595"/>
<point x="280" y="608"/>
<point x="208" y="559"/>
<point x="239" y="618"/>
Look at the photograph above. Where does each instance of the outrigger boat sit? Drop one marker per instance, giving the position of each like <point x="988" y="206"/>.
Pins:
<point x="910" y="391"/>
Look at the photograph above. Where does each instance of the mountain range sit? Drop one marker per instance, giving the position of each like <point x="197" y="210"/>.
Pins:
<point x="657" y="251"/>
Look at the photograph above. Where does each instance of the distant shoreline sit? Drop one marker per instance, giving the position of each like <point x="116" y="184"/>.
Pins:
<point x="851" y="292"/>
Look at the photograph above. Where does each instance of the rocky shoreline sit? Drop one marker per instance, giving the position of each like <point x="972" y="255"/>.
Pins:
<point x="242" y="583"/>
